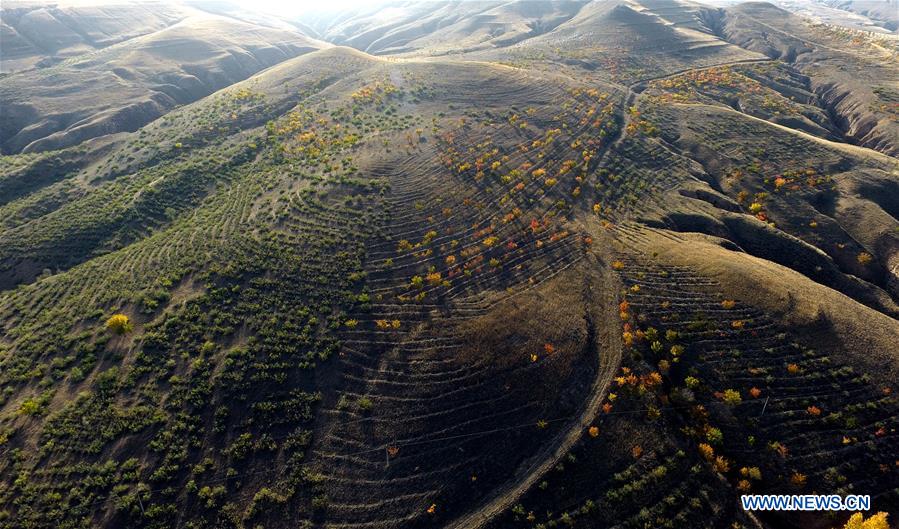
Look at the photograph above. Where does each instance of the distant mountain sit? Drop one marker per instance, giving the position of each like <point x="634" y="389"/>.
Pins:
<point x="444" y="27"/>
<point x="884" y="12"/>
<point x="851" y="75"/>
<point x="123" y="86"/>
<point x="36" y="34"/>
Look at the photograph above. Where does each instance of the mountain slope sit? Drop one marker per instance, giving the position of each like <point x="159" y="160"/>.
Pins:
<point x="123" y="87"/>
<point x="442" y="28"/>
<point x="613" y="272"/>
<point x="850" y="71"/>
<point x="40" y="35"/>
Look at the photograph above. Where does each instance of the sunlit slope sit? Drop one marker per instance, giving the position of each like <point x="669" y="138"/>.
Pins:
<point x="442" y="28"/>
<point x="625" y="42"/>
<point x="122" y="87"/>
<point x="33" y="34"/>
<point x="612" y="271"/>
<point x="853" y="73"/>
<point x="294" y="189"/>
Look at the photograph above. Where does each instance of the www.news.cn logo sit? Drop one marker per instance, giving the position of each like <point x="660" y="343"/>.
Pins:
<point x="806" y="502"/>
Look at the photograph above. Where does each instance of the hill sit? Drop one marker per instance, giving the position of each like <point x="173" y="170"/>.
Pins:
<point x="614" y="270"/>
<point x="35" y="34"/>
<point x="848" y="70"/>
<point x="443" y="28"/>
<point x="123" y="86"/>
<point x="885" y="14"/>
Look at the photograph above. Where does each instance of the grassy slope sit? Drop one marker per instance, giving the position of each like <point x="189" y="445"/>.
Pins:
<point x="371" y="293"/>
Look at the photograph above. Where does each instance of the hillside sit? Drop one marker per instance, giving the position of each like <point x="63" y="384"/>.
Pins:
<point x="885" y="13"/>
<point x="481" y="265"/>
<point x="123" y="86"/>
<point x="442" y="28"/>
<point x="34" y="34"/>
<point x="850" y="71"/>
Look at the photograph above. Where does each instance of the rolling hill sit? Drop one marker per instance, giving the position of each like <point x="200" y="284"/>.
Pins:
<point x="34" y="34"/>
<point x="123" y="86"/>
<point x="463" y="265"/>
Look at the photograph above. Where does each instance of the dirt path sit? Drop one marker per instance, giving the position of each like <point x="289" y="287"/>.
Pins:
<point x="636" y="84"/>
<point x="608" y="343"/>
<point x="634" y="89"/>
<point x="604" y="315"/>
<point x="846" y="51"/>
<point x="856" y="150"/>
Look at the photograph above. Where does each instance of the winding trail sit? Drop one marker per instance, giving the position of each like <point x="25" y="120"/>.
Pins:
<point x="603" y="320"/>
<point x="846" y="51"/>
<point x="607" y="341"/>
<point x="636" y="88"/>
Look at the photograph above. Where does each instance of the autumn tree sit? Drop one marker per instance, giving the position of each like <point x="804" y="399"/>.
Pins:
<point x="119" y="324"/>
<point x="877" y="521"/>
<point x="732" y="397"/>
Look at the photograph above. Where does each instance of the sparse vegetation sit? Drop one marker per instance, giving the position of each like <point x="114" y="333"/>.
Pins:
<point x="557" y="272"/>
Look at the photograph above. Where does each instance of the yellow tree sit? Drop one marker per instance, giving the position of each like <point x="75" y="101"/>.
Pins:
<point x="119" y="324"/>
<point x="877" y="521"/>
